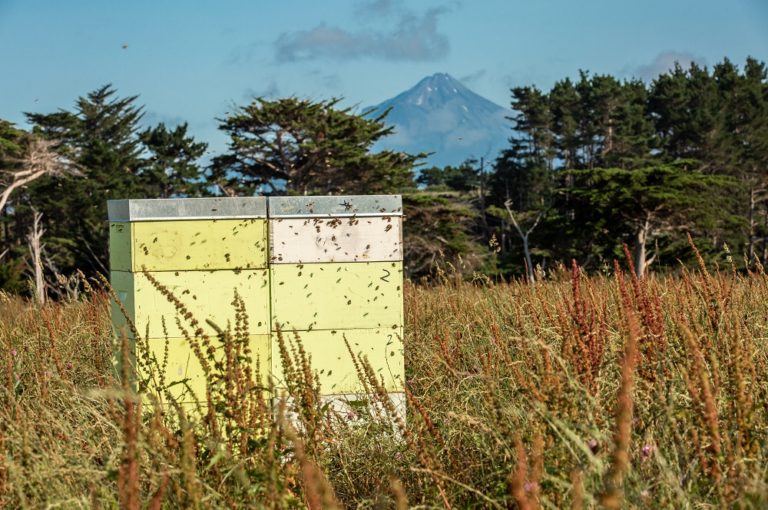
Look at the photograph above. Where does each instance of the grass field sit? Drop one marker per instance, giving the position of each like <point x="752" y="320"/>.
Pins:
<point x="580" y="392"/>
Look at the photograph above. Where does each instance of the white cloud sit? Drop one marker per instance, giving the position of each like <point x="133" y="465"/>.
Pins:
<point x="665" y="62"/>
<point x="414" y="37"/>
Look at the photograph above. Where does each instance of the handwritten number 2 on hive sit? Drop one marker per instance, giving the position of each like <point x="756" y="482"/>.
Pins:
<point x="386" y="276"/>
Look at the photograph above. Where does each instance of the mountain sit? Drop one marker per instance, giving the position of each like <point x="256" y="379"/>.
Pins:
<point x="439" y="114"/>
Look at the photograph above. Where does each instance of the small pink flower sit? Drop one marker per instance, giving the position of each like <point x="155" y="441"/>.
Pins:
<point x="646" y="451"/>
<point x="529" y="486"/>
<point x="13" y="353"/>
<point x="594" y="446"/>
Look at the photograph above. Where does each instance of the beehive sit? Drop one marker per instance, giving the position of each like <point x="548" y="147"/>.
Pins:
<point x="337" y="272"/>
<point x="203" y="250"/>
<point x="326" y="269"/>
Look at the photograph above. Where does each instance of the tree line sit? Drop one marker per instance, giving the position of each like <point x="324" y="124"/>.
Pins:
<point x="592" y="165"/>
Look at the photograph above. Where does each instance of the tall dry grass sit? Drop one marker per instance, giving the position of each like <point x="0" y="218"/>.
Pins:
<point x="579" y="392"/>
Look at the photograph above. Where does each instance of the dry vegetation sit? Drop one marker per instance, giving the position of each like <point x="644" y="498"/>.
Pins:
<point x="579" y="392"/>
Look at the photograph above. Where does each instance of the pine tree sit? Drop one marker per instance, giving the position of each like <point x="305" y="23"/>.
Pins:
<point x="521" y="183"/>
<point x="171" y="168"/>
<point x="687" y="114"/>
<point x="464" y="177"/>
<point x="565" y="107"/>
<point x="522" y="173"/>
<point x="742" y="144"/>
<point x="653" y="200"/>
<point x="11" y="140"/>
<point x="633" y="131"/>
<point x="305" y="147"/>
<point x="600" y="99"/>
<point x="101" y="136"/>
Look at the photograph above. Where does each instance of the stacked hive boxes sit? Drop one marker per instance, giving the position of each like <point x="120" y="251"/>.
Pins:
<point x="202" y="250"/>
<point x="337" y="272"/>
<point x="332" y="270"/>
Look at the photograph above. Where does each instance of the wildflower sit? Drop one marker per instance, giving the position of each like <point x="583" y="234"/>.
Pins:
<point x="13" y="353"/>
<point x="594" y="446"/>
<point x="646" y="451"/>
<point x="529" y="486"/>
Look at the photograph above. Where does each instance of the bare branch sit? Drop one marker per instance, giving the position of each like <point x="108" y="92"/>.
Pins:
<point x="95" y="257"/>
<point x="17" y="183"/>
<point x="229" y="192"/>
<point x="535" y="223"/>
<point x="41" y="159"/>
<point x="508" y="207"/>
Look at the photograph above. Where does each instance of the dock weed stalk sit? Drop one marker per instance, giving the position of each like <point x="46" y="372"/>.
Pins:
<point x="519" y="487"/>
<point x="128" y="486"/>
<point x="613" y="495"/>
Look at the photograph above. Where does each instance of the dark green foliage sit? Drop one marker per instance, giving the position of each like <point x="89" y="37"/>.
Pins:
<point x="464" y="177"/>
<point x="688" y="152"/>
<point x="305" y="147"/>
<point x="12" y="275"/>
<point x="102" y="133"/>
<point x="645" y="203"/>
<point x="515" y="179"/>
<point x="440" y="230"/>
<point x="11" y="140"/>
<point x="171" y="168"/>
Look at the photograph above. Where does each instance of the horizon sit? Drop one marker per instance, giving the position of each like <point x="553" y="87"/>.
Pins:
<point x="194" y="64"/>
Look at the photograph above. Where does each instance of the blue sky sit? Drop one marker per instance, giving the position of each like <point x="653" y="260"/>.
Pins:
<point x="191" y="60"/>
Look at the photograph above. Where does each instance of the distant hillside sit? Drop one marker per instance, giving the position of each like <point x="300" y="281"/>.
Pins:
<point x="439" y="114"/>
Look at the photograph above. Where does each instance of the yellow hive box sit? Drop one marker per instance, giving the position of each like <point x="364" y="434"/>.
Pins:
<point x="184" y="376"/>
<point x="202" y="252"/>
<point x="331" y="359"/>
<point x="187" y="245"/>
<point x="208" y="295"/>
<point x="337" y="295"/>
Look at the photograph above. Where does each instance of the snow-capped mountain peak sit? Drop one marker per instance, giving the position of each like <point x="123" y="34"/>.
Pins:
<point x="440" y="114"/>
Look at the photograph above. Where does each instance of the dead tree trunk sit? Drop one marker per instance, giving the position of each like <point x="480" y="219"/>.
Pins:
<point x="765" y="236"/>
<point x="752" y="225"/>
<point x="641" y="253"/>
<point x="36" y="251"/>
<point x="524" y="235"/>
